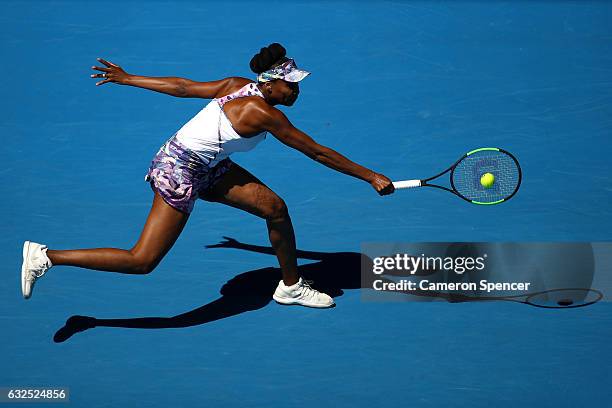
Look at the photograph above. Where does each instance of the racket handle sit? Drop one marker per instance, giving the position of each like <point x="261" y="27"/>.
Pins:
<point x="407" y="184"/>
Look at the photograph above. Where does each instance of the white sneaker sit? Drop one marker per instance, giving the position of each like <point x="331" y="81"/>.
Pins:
<point x="301" y="294"/>
<point x="35" y="264"/>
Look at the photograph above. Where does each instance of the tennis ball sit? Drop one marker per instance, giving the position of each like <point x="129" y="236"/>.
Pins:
<point x="487" y="180"/>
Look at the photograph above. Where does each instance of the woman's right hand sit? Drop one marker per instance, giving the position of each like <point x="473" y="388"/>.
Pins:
<point x="110" y="73"/>
<point x="382" y="184"/>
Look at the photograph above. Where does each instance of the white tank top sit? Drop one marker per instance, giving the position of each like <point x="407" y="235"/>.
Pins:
<point x="210" y="134"/>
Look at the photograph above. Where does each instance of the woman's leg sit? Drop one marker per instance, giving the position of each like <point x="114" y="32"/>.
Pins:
<point x="163" y="227"/>
<point x="240" y="189"/>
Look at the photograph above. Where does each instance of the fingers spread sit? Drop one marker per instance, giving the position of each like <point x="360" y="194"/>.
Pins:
<point x="102" y="82"/>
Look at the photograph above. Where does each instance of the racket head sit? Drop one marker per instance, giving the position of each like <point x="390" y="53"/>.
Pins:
<point x="466" y="173"/>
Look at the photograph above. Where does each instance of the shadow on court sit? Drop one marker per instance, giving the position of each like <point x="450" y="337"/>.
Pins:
<point x="248" y="291"/>
<point x="335" y="271"/>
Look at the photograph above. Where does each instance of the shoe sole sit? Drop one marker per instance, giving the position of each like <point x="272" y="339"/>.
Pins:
<point x="286" y="302"/>
<point x="26" y="250"/>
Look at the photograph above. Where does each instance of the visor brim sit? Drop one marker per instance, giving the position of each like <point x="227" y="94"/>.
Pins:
<point x="296" y="75"/>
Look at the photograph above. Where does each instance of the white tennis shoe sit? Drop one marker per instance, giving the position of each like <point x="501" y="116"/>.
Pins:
<point x="35" y="264"/>
<point x="303" y="294"/>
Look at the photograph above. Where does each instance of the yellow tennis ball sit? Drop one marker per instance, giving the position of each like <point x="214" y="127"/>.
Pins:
<point x="487" y="180"/>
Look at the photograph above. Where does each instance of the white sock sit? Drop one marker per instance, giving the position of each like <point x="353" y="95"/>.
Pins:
<point x="44" y="251"/>
<point x="294" y="285"/>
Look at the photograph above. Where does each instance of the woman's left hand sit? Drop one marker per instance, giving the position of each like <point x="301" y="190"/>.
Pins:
<point x="110" y="73"/>
<point x="382" y="184"/>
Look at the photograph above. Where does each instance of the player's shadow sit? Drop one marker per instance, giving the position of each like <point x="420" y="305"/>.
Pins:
<point x="332" y="273"/>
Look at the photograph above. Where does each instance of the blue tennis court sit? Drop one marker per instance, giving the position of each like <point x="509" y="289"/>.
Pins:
<point x="404" y="88"/>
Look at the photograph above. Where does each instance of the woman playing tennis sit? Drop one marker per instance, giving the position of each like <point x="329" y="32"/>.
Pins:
<point x="194" y="163"/>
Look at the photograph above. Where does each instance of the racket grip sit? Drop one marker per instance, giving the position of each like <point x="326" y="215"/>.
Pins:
<point x="407" y="184"/>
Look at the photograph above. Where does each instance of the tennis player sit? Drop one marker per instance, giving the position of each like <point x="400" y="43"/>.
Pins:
<point x="194" y="163"/>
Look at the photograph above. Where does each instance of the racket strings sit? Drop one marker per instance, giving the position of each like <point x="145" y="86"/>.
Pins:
<point x="468" y="172"/>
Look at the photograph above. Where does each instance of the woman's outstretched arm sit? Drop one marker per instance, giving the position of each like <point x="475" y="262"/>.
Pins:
<point x="277" y="123"/>
<point x="179" y="87"/>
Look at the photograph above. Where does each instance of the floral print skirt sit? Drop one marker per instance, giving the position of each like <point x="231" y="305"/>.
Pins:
<point x="181" y="177"/>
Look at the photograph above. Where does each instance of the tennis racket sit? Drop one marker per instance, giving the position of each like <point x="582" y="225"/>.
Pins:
<point x="485" y="176"/>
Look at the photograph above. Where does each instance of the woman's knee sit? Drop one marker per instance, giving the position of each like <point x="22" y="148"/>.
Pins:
<point x="276" y="210"/>
<point x="143" y="264"/>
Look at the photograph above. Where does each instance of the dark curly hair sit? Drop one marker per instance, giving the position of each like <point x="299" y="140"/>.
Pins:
<point x="268" y="57"/>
